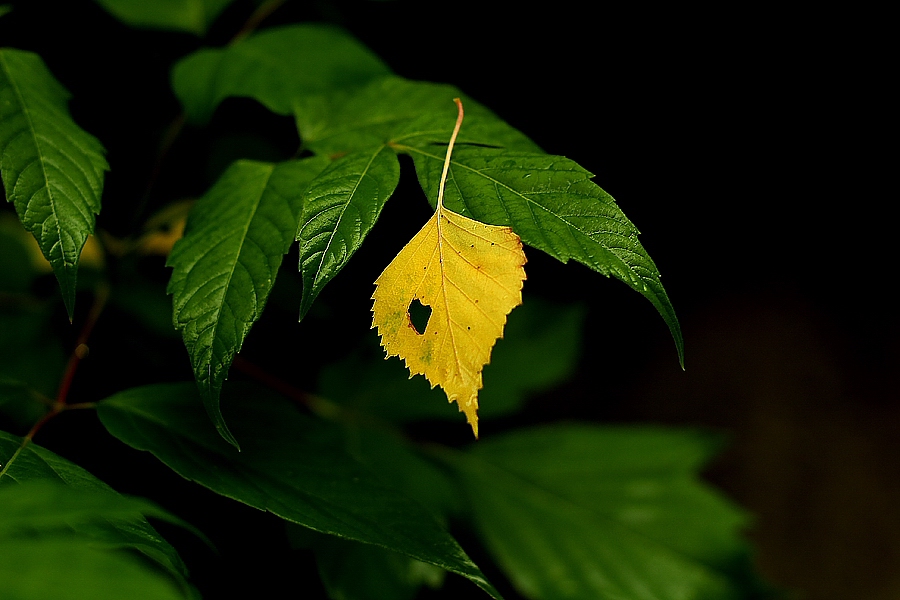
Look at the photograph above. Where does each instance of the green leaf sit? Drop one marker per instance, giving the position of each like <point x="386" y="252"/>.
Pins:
<point x="289" y="465"/>
<point x="28" y="463"/>
<point x="52" y="169"/>
<point x="520" y="366"/>
<point x="397" y="462"/>
<point x="74" y="569"/>
<point x="5" y="9"/>
<point x="340" y="208"/>
<point x="275" y="68"/>
<point x="551" y="202"/>
<point x="396" y="110"/>
<point x="351" y="570"/>
<point x="50" y="508"/>
<point x="192" y="16"/>
<point x="226" y="263"/>
<point x="591" y="512"/>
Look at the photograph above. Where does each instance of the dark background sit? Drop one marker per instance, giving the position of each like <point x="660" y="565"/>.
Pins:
<point x="747" y="143"/>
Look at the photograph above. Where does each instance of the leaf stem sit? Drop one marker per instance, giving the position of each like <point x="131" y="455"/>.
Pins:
<point x="459" y="120"/>
<point x="80" y="352"/>
<point x="57" y="408"/>
<point x="264" y="10"/>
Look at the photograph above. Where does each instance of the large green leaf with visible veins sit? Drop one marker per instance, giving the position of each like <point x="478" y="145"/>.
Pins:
<point x="340" y="208"/>
<point x="93" y="512"/>
<point x="497" y="176"/>
<point x="52" y="169"/>
<point x="398" y="111"/>
<point x="192" y="16"/>
<point x="551" y="202"/>
<point x="290" y="465"/>
<point x="226" y="263"/>
<point x="274" y="67"/>
<point x="590" y="512"/>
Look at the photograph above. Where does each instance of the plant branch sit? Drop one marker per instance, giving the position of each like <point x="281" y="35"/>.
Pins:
<point x="80" y="352"/>
<point x="81" y="348"/>
<point x="259" y="15"/>
<point x="322" y="407"/>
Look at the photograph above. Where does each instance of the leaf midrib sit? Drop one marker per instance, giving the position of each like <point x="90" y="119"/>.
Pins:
<point x="343" y="210"/>
<point x="227" y="287"/>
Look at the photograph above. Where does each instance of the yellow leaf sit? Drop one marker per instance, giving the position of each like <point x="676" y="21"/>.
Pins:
<point x="470" y="275"/>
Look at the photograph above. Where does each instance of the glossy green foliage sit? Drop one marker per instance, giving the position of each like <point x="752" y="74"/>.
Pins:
<point x="362" y="122"/>
<point x="226" y="263"/>
<point x="289" y="465"/>
<point x="340" y="208"/>
<point x="52" y="169"/>
<point x="362" y="469"/>
<point x="497" y="176"/>
<point x="192" y="16"/>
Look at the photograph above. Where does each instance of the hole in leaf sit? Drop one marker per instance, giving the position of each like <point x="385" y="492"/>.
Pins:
<point x="419" y="314"/>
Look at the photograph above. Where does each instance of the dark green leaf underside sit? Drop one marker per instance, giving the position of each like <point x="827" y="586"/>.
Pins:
<point x="364" y="572"/>
<point x="289" y="465"/>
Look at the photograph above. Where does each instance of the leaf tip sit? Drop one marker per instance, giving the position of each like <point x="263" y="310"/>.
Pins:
<point x="226" y="434"/>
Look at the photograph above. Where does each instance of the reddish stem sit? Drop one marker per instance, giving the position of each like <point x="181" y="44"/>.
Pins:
<point x="81" y="349"/>
<point x="271" y="381"/>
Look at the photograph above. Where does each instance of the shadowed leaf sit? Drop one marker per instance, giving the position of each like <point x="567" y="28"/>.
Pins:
<point x="289" y="465"/>
<point x="274" y="67"/>
<point x="192" y="16"/>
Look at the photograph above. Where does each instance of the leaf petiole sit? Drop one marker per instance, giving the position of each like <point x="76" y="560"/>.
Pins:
<point x="459" y="120"/>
